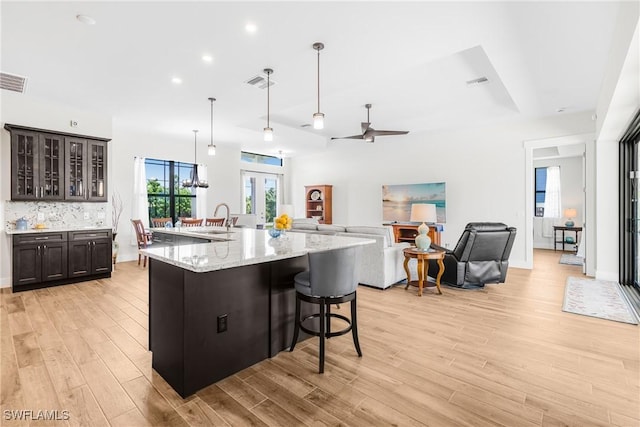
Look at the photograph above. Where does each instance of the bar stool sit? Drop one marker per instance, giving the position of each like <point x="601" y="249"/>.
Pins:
<point x="331" y="279"/>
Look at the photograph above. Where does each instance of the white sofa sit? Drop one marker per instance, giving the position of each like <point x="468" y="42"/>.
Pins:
<point x="380" y="264"/>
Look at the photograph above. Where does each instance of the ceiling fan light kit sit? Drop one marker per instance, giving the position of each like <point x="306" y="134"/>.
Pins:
<point x="268" y="131"/>
<point x="318" y="117"/>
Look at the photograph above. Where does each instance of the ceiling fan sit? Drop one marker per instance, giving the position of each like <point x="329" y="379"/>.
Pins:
<point x="369" y="133"/>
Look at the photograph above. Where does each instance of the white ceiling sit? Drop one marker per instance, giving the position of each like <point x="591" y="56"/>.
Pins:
<point x="410" y="60"/>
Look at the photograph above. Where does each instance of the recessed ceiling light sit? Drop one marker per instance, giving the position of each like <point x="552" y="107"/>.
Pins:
<point x="85" y="19"/>
<point x="207" y="58"/>
<point x="251" y="27"/>
<point x="176" y="80"/>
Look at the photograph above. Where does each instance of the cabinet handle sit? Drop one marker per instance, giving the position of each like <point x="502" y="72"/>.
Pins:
<point x="42" y="238"/>
<point x="44" y="248"/>
<point x="38" y="250"/>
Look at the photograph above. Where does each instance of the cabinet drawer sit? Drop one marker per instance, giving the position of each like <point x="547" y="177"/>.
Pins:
<point x="27" y="239"/>
<point x="89" y="235"/>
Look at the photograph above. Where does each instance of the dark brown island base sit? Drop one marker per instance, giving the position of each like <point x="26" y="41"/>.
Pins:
<point x="219" y="307"/>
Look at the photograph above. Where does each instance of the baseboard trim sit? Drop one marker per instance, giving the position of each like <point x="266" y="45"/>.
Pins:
<point x="607" y="275"/>
<point x="5" y="282"/>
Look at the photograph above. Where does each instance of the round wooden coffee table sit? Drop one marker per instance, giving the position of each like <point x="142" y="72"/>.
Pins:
<point x="423" y="258"/>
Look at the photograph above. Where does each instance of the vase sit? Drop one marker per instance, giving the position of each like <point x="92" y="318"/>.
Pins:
<point x="423" y="241"/>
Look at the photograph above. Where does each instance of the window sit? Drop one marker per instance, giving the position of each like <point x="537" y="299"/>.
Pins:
<point x="540" y="193"/>
<point x="260" y="195"/>
<point x="260" y="158"/>
<point x="167" y="198"/>
<point x="547" y="192"/>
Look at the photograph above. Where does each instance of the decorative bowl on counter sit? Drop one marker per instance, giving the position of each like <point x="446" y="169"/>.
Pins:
<point x="274" y="232"/>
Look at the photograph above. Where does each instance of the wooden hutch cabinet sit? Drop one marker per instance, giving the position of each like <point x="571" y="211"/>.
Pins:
<point x="318" y="203"/>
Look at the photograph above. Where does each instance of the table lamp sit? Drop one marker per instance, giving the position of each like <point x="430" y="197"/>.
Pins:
<point x="423" y="212"/>
<point x="570" y="213"/>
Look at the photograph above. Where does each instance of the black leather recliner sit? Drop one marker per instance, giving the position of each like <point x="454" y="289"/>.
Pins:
<point x="480" y="256"/>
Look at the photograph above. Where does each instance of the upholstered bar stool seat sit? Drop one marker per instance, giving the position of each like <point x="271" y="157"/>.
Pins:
<point x="331" y="279"/>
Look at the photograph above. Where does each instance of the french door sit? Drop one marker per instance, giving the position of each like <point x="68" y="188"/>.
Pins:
<point x="629" y="235"/>
<point x="260" y="195"/>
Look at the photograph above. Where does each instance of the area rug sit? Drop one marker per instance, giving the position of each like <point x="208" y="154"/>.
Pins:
<point x="597" y="298"/>
<point x="571" y="259"/>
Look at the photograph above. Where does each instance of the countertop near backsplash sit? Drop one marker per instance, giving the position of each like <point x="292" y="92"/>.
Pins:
<point x="59" y="216"/>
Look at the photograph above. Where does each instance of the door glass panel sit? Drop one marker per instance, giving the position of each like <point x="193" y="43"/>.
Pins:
<point x="26" y="167"/>
<point x="76" y="174"/>
<point x="260" y="196"/>
<point x="97" y="170"/>
<point x="51" y="167"/>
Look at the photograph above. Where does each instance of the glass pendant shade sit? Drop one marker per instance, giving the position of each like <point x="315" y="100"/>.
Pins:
<point x="268" y="134"/>
<point x="211" y="150"/>
<point x="318" y="121"/>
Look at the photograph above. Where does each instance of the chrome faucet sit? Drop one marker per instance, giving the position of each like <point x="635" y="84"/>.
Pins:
<point x="228" y="220"/>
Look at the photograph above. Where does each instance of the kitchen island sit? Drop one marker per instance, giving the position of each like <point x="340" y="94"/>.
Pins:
<point x="224" y="304"/>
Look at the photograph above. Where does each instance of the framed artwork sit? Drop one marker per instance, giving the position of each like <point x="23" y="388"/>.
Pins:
<point x="397" y="200"/>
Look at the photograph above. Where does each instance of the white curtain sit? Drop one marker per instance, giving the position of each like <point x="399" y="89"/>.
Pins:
<point x="201" y="194"/>
<point x="140" y="203"/>
<point x="552" y="197"/>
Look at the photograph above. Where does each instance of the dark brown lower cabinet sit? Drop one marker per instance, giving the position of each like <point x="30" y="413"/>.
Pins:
<point x="56" y="258"/>
<point x="89" y="252"/>
<point x="39" y="258"/>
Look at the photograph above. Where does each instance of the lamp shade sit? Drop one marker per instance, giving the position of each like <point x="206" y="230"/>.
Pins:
<point x="570" y="213"/>
<point x="423" y="212"/>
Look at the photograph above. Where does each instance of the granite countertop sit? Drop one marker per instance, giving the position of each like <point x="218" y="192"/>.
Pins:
<point x="242" y="246"/>
<point x="54" y="230"/>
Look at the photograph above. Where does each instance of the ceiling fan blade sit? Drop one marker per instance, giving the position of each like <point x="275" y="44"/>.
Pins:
<point x="374" y="132"/>
<point x="364" y="126"/>
<point x="348" y="137"/>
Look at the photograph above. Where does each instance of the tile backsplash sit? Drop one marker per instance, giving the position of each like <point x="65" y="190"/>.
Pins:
<point x="56" y="214"/>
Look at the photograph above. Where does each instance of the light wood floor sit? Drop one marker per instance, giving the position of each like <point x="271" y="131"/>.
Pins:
<point x="506" y="355"/>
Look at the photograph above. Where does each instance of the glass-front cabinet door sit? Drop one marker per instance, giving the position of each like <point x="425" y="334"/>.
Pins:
<point x="37" y="166"/>
<point x="25" y="184"/>
<point x="75" y="178"/>
<point x="97" y="157"/>
<point x="51" y="167"/>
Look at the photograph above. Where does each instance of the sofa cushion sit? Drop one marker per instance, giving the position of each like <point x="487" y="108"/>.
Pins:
<point x="332" y="227"/>
<point x="304" y="226"/>
<point x="385" y="231"/>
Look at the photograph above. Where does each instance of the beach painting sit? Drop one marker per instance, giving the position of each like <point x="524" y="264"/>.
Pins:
<point x="397" y="200"/>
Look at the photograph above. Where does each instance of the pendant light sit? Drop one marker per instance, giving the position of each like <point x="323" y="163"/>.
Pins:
<point x="193" y="181"/>
<point x="211" y="148"/>
<point x="268" y="131"/>
<point x="318" y="117"/>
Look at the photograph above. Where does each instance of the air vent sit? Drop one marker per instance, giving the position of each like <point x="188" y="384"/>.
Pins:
<point x="259" y="81"/>
<point x="13" y="82"/>
<point x="478" y="81"/>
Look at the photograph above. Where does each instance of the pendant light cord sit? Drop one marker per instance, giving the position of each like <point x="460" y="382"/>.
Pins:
<point x="212" y="99"/>
<point x="268" y="96"/>
<point x="318" y="80"/>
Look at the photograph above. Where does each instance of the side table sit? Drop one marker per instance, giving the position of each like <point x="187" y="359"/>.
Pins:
<point x="563" y="239"/>
<point x="423" y="258"/>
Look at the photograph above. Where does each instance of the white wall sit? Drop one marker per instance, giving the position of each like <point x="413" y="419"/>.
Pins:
<point x="571" y="176"/>
<point x="482" y="167"/>
<point x="21" y="109"/>
<point x="619" y="100"/>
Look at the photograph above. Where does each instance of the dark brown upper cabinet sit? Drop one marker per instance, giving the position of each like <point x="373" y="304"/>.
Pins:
<point x="37" y="165"/>
<point x="58" y="166"/>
